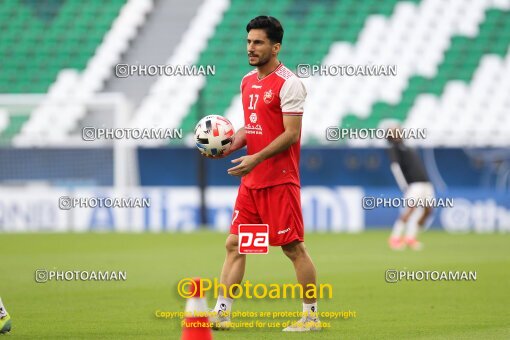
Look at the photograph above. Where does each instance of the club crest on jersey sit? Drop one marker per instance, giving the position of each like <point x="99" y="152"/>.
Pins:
<point x="268" y="96"/>
<point x="253" y="117"/>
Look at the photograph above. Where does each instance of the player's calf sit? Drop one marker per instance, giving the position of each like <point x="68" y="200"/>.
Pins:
<point x="427" y="211"/>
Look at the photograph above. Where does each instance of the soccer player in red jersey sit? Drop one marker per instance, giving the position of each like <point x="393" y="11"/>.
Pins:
<point x="273" y="99"/>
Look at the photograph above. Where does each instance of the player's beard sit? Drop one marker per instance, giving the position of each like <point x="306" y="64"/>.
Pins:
<point x="262" y="61"/>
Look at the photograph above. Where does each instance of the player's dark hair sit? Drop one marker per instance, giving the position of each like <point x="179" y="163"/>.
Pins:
<point x="270" y="25"/>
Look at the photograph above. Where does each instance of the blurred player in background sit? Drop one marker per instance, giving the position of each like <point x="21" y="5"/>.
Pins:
<point x="273" y="99"/>
<point x="5" y="319"/>
<point x="414" y="182"/>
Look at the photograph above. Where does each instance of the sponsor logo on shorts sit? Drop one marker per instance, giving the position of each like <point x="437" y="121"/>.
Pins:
<point x="253" y="238"/>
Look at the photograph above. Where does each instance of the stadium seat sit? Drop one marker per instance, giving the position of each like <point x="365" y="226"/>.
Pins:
<point x="462" y="62"/>
<point x="451" y="58"/>
<point x="113" y="25"/>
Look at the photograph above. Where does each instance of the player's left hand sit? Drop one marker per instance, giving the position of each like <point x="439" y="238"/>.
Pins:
<point x="247" y="163"/>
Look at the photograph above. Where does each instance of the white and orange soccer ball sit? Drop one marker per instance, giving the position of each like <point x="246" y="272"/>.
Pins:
<point x="213" y="135"/>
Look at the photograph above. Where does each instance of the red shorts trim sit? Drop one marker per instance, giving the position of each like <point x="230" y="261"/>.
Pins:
<point x="278" y="206"/>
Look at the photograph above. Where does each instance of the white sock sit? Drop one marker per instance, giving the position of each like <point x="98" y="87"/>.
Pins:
<point x="310" y="310"/>
<point x="398" y="229"/>
<point x="224" y="304"/>
<point x="412" y="229"/>
<point x="3" y="312"/>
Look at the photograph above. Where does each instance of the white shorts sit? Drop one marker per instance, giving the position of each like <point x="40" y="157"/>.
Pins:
<point x="420" y="190"/>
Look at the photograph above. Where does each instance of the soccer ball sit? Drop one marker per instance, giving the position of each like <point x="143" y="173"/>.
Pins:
<point x="213" y="135"/>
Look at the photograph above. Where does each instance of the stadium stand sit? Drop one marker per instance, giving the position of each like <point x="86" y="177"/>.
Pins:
<point x="72" y="87"/>
<point x="39" y="38"/>
<point x="452" y="64"/>
<point x="468" y="60"/>
<point x="177" y="94"/>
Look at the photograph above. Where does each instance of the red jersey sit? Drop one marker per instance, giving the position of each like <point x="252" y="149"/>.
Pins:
<point x="265" y="102"/>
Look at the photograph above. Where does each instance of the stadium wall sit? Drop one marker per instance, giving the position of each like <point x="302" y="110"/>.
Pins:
<point x="177" y="209"/>
<point x="334" y="180"/>
<point x="448" y="167"/>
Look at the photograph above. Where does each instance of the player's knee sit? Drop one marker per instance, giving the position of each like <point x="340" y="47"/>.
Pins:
<point x="232" y="243"/>
<point x="294" y="250"/>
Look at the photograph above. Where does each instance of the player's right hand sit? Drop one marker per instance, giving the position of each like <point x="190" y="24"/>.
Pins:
<point x="212" y="157"/>
<point x="205" y="155"/>
<point x="219" y="156"/>
<point x="230" y="150"/>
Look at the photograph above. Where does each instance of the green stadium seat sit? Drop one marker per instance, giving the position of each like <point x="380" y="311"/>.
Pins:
<point x="459" y="63"/>
<point x="37" y="41"/>
<point x="30" y="41"/>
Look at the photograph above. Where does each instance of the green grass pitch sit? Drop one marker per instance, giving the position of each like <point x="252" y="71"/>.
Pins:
<point x="353" y="264"/>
